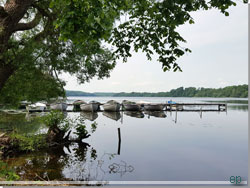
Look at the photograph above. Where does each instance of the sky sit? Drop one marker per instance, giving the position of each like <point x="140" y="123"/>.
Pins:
<point x="219" y="58"/>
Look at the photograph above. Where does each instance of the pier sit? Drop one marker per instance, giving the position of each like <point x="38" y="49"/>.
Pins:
<point x="185" y="107"/>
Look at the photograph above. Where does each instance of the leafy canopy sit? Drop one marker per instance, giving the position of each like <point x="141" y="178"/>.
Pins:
<point x="56" y="36"/>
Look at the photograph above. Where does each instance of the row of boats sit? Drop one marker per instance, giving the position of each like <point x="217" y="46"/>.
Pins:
<point x="114" y="106"/>
<point x="94" y="106"/>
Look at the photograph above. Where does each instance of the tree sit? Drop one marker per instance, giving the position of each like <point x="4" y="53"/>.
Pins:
<point x="55" y="36"/>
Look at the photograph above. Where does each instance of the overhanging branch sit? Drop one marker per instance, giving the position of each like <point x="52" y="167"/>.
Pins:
<point x="3" y="13"/>
<point x="29" y="25"/>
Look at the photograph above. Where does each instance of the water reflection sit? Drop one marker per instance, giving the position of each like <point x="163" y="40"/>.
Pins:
<point x="91" y="116"/>
<point x="159" y="114"/>
<point x="79" y="163"/>
<point x="22" y="123"/>
<point x="134" y="114"/>
<point x="112" y="115"/>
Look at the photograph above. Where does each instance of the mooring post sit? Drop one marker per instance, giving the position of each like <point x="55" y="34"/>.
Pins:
<point x="176" y="116"/>
<point x="119" y="141"/>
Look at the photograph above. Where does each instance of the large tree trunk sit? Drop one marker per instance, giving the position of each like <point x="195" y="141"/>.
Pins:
<point x="10" y="15"/>
<point x="5" y="72"/>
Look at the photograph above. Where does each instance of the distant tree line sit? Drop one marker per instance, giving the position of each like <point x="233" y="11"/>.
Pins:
<point x="240" y="91"/>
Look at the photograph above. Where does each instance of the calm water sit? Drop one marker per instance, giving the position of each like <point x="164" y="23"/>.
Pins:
<point x="211" y="146"/>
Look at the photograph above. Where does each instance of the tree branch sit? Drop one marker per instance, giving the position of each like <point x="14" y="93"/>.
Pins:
<point x="29" y="25"/>
<point x="3" y="13"/>
<point x="42" y="11"/>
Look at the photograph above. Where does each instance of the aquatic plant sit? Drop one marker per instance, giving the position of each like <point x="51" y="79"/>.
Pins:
<point x="6" y="173"/>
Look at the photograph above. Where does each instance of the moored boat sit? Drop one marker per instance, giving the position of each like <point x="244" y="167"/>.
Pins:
<point x="23" y="105"/>
<point x="130" y="106"/>
<point x="111" y="106"/>
<point x="36" y="107"/>
<point x="59" y="106"/>
<point x="92" y="106"/>
<point x="77" y="104"/>
<point x="154" y="107"/>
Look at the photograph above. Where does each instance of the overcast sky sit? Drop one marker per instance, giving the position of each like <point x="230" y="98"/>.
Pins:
<point x="219" y="58"/>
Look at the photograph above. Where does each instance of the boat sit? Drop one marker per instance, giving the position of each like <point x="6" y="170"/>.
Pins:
<point x="159" y="114"/>
<point x="91" y="116"/>
<point x="153" y="107"/>
<point x="92" y="106"/>
<point x="142" y="103"/>
<point x="111" y="106"/>
<point x="77" y="104"/>
<point x="36" y="107"/>
<point x="136" y="114"/>
<point x="59" y="106"/>
<point x="130" y="106"/>
<point x="112" y="115"/>
<point x="23" y="105"/>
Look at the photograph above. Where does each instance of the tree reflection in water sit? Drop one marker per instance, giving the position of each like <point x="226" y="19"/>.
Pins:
<point x="77" y="161"/>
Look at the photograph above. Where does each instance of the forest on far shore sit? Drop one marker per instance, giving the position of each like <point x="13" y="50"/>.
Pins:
<point x="240" y="91"/>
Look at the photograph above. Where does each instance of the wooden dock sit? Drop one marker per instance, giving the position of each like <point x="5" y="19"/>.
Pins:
<point x="218" y="107"/>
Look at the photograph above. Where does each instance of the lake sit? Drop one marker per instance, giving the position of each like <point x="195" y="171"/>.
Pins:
<point x="167" y="146"/>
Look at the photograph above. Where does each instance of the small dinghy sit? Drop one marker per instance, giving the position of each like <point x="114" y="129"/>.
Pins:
<point x="153" y="107"/>
<point x="59" y="106"/>
<point x="77" y="104"/>
<point x="92" y="106"/>
<point x="37" y="107"/>
<point x="112" y="106"/>
<point x="130" y="106"/>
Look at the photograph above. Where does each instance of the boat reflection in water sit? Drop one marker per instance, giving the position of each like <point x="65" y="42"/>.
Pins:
<point x="112" y="115"/>
<point x="134" y="114"/>
<point x="91" y="116"/>
<point x="159" y="114"/>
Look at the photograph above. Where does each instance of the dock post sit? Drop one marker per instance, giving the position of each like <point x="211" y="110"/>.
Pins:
<point x="175" y="116"/>
<point x="119" y="141"/>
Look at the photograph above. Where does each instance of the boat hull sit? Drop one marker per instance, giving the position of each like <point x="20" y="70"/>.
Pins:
<point x="59" y="106"/>
<point x="131" y="107"/>
<point x="93" y="107"/>
<point x="153" y="107"/>
<point x="111" y="107"/>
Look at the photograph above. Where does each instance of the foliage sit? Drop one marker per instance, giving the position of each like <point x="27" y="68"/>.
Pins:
<point x="240" y="91"/>
<point x="6" y="173"/>
<point x="54" y="119"/>
<point x="56" y="36"/>
<point x="57" y="119"/>
<point x="28" y="142"/>
<point x="31" y="85"/>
